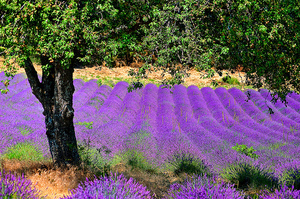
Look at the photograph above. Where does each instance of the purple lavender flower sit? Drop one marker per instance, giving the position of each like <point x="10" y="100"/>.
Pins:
<point x="266" y="105"/>
<point x="277" y="129"/>
<point x="85" y="92"/>
<point x="16" y="187"/>
<point x="78" y="83"/>
<point x="287" y="111"/>
<point x="142" y="136"/>
<point x="283" y="193"/>
<point x="110" y="187"/>
<point x="295" y="96"/>
<point x="204" y="188"/>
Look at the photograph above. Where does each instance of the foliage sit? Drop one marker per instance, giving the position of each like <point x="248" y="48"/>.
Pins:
<point x="262" y="36"/>
<point x="93" y="158"/>
<point x="199" y="33"/>
<point x="245" y="150"/>
<point x="48" y="22"/>
<point x="23" y="151"/>
<point x="185" y="163"/>
<point x="137" y="161"/>
<point x="179" y="34"/>
<point x="230" y="80"/>
<point x="88" y="125"/>
<point x="99" y="82"/>
<point x="244" y="176"/>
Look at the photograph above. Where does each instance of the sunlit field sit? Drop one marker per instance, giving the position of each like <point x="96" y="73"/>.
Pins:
<point x="154" y="143"/>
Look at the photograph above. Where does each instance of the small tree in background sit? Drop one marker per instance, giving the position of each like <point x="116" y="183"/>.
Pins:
<point x="262" y="37"/>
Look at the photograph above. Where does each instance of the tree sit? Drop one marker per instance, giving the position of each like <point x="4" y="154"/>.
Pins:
<point x="59" y="32"/>
<point x="262" y="37"/>
<point x="186" y="31"/>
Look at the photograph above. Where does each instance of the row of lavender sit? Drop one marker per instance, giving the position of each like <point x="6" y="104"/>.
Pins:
<point x="160" y="122"/>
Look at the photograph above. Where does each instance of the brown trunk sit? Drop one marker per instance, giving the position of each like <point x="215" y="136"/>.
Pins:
<point x="56" y="95"/>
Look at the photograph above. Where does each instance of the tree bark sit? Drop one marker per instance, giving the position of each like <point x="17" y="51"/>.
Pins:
<point x="56" y="95"/>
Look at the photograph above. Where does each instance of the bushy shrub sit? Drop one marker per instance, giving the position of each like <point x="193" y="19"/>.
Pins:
<point x="205" y="188"/>
<point x="245" y="175"/>
<point x="245" y="150"/>
<point x="138" y="160"/>
<point x="110" y="187"/>
<point x="93" y="158"/>
<point x="284" y="192"/>
<point x="230" y="80"/>
<point x="186" y="163"/>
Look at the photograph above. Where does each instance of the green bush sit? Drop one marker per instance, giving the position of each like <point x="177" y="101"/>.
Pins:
<point x="93" y="158"/>
<point x="186" y="163"/>
<point x="244" y="176"/>
<point x="230" y="80"/>
<point x="245" y="150"/>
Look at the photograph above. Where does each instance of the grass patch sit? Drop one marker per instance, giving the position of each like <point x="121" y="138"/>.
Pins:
<point x="24" y="151"/>
<point x="138" y="161"/>
<point x="84" y="78"/>
<point x="118" y="79"/>
<point x="99" y="82"/>
<point x="108" y="82"/>
<point x="247" y="177"/>
<point x="186" y="163"/>
<point x="92" y="158"/>
<point x="24" y="131"/>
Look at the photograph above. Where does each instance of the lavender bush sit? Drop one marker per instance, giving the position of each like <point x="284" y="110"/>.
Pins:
<point x="16" y="187"/>
<point x="284" y="192"/>
<point x="205" y="188"/>
<point x="115" y="186"/>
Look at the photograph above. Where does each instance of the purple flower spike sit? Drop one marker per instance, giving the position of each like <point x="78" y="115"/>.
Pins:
<point x="110" y="187"/>
<point x="204" y="188"/>
<point x="16" y="187"/>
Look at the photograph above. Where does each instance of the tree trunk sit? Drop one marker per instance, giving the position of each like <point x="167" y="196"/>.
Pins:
<point x="56" y="95"/>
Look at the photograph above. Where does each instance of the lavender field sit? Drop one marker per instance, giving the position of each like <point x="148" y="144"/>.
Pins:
<point x="157" y="124"/>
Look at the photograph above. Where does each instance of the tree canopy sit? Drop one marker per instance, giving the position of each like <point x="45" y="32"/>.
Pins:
<point x="260" y="36"/>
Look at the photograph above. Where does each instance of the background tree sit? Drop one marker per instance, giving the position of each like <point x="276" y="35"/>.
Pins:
<point x="261" y="37"/>
<point x="189" y="32"/>
<point x="264" y="37"/>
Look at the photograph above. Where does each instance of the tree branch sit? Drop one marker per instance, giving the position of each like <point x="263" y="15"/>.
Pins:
<point x="33" y="79"/>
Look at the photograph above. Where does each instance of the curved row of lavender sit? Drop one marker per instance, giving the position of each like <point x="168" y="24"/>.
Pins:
<point x="158" y="123"/>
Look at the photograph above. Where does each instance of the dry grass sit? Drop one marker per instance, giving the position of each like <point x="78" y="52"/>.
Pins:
<point x="56" y="183"/>
<point x="112" y="76"/>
